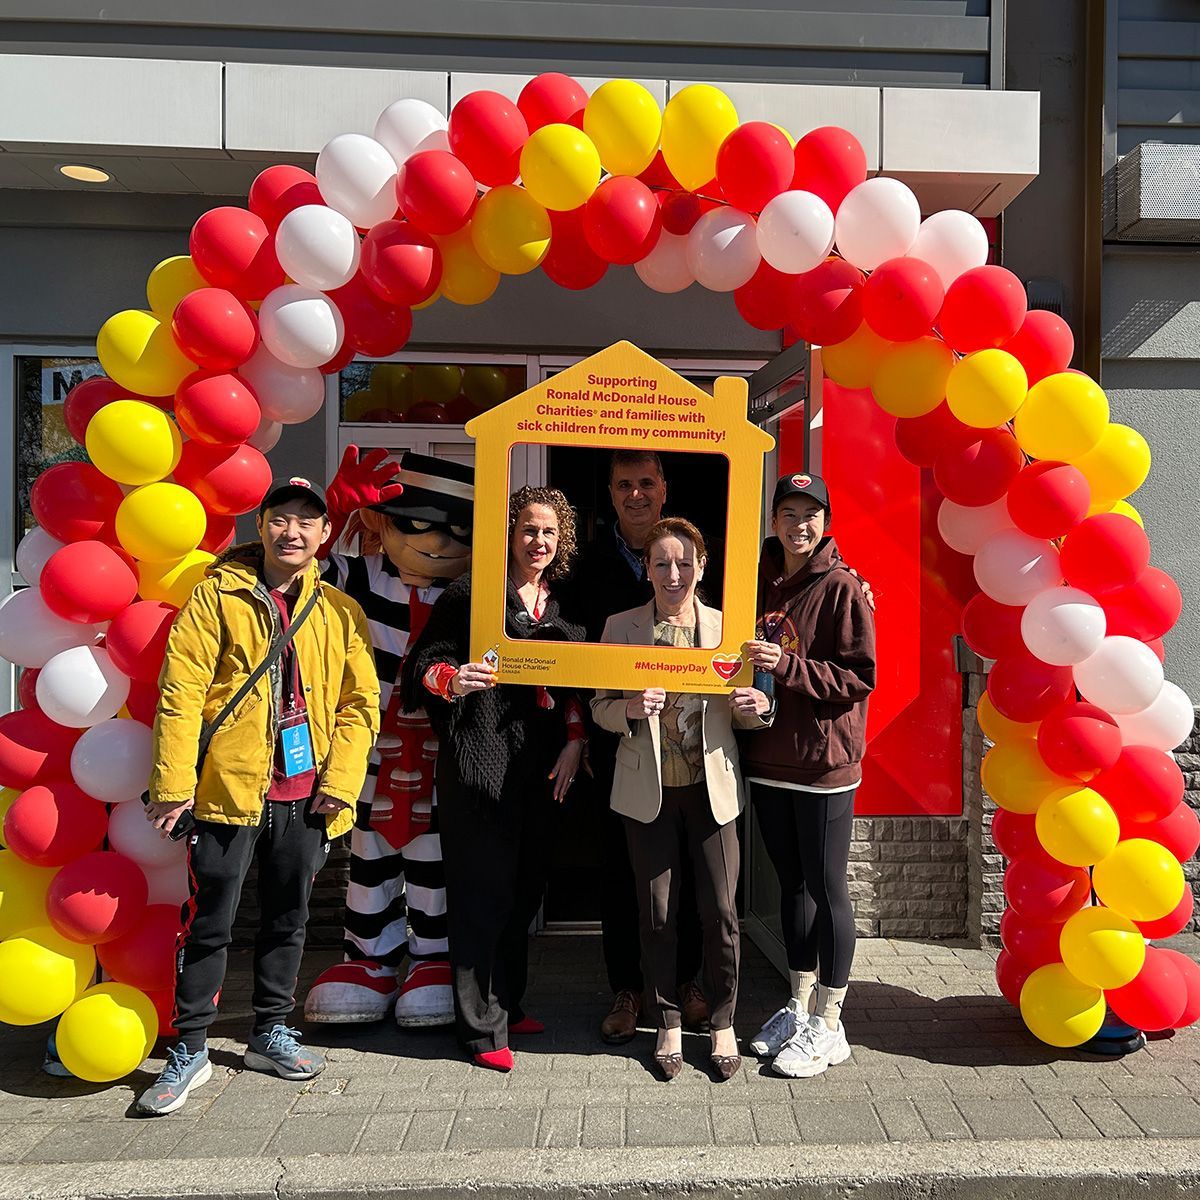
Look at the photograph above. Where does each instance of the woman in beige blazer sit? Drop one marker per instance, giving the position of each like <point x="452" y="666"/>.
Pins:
<point x="678" y="787"/>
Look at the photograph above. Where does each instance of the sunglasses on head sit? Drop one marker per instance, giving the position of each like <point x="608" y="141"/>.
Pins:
<point x="413" y="525"/>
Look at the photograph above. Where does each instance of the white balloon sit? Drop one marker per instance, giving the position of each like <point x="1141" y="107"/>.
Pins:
<point x="167" y="884"/>
<point x="951" y="242"/>
<point x="318" y="247"/>
<point x="285" y="393"/>
<point x="965" y="529"/>
<point x="266" y="436"/>
<point x="112" y="761"/>
<point x="410" y="126"/>
<point x="1123" y="676"/>
<point x="1013" y="567"/>
<point x="357" y="176"/>
<point x="1063" y="626"/>
<point x="31" y="635"/>
<point x="81" y="687"/>
<point x="1164" y="724"/>
<point x="34" y="552"/>
<point x="665" y="269"/>
<point x="301" y="327"/>
<point x="129" y="833"/>
<point x="722" y="249"/>
<point x="795" y="232"/>
<point x="876" y="221"/>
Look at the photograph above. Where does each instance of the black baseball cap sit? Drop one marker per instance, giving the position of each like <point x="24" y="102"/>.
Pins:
<point x="291" y="486"/>
<point x="802" y="484"/>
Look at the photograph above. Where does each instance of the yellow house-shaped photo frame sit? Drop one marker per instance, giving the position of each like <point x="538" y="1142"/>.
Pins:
<point x="619" y="399"/>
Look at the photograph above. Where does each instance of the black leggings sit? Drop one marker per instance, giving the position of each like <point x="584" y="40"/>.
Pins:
<point x="807" y="835"/>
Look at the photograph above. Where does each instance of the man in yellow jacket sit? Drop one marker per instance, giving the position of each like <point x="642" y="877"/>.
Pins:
<point x="280" y="777"/>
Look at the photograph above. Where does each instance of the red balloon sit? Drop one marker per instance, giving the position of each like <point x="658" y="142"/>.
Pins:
<point x="87" y="582"/>
<point x="826" y="302"/>
<point x="984" y="307"/>
<point x="373" y="326"/>
<point x="1178" y="831"/>
<point x="229" y="480"/>
<point x="921" y="439"/>
<point x="436" y="191"/>
<point x="401" y="264"/>
<point x="428" y="412"/>
<point x="552" y="99"/>
<point x="486" y="131"/>
<point x="163" y="1000"/>
<point x="754" y="164"/>
<point x="220" y="408"/>
<point x="74" y="502"/>
<point x="1042" y="889"/>
<point x="214" y="329"/>
<point x="1023" y="688"/>
<point x="1160" y="651"/>
<point x="1146" y="609"/>
<point x="1015" y="834"/>
<point x="1190" y="973"/>
<point x="1048" y="499"/>
<point x="461" y="409"/>
<point x="97" y="897"/>
<point x="763" y="302"/>
<point x="86" y="399"/>
<point x="902" y="298"/>
<point x="27" y="687"/>
<point x="33" y="749"/>
<point x="1104" y="553"/>
<point x="1043" y="345"/>
<point x="1174" y="922"/>
<point x="219" y="532"/>
<point x="343" y="358"/>
<point x="621" y="220"/>
<point x="1011" y="974"/>
<point x="981" y="471"/>
<point x="234" y="249"/>
<point x="144" y="956"/>
<point x="658" y="175"/>
<point x="990" y="628"/>
<point x="1033" y="942"/>
<point x="137" y="639"/>
<point x="52" y="823"/>
<point x="681" y="210"/>
<point x="143" y="701"/>
<point x="279" y="190"/>
<point x="571" y="262"/>
<point x="1079" y="740"/>
<point x="1156" y="998"/>
<point x="829" y="162"/>
<point x="1143" y="785"/>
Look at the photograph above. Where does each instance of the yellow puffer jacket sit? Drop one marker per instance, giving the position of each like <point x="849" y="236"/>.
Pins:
<point x="220" y="635"/>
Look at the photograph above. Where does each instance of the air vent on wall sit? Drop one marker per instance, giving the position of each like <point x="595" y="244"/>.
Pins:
<point x="1158" y="193"/>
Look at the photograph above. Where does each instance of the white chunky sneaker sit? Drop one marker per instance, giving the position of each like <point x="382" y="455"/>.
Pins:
<point x="770" y="1039"/>
<point x="812" y="1050"/>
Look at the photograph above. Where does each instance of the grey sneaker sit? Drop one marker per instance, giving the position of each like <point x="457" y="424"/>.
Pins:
<point x="52" y="1064"/>
<point x="170" y="1090"/>
<point x="772" y="1037"/>
<point x="279" y="1050"/>
<point x="812" y="1050"/>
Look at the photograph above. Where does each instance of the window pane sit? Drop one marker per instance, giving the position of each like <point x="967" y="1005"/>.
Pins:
<point x="440" y="393"/>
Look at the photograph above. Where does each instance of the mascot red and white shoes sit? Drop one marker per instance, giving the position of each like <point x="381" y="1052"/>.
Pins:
<point x="426" y="997"/>
<point x="353" y="993"/>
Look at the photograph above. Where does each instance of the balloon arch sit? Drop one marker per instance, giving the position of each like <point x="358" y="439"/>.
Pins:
<point x="319" y="269"/>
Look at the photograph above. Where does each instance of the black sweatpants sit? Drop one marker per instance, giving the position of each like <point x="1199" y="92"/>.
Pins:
<point x="289" y="844"/>
<point x="807" y="835"/>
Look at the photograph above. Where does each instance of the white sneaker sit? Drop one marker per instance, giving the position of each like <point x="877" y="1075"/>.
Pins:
<point x="771" y="1038"/>
<point x="812" y="1050"/>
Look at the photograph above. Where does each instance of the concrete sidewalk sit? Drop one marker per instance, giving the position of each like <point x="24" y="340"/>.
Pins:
<point x="945" y="1092"/>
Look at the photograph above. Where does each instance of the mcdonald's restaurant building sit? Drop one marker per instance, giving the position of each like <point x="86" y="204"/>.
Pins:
<point x="1069" y="129"/>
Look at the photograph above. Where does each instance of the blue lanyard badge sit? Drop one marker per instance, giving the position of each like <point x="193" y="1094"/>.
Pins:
<point x="296" y="742"/>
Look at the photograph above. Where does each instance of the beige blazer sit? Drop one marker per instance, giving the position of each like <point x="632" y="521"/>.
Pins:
<point x="637" y="782"/>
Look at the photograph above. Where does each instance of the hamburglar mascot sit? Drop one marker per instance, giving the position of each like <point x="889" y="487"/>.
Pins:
<point x="416" y="516"/>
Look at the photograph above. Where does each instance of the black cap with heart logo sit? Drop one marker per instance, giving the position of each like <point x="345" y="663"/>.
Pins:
<point x="802" y="484"/>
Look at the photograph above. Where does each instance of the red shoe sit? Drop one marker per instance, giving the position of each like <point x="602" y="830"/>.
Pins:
<point x="526" y="1025"/>
<point x="496" y="1060"/>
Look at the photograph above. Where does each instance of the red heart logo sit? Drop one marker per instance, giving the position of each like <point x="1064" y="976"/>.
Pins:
<point x="726" y="665"/>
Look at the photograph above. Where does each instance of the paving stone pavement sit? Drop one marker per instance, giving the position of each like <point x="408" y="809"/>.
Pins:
<point x="938" y="1057"/>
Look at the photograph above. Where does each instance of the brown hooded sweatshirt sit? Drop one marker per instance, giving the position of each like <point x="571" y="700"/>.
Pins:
<point x="827" y="630"/>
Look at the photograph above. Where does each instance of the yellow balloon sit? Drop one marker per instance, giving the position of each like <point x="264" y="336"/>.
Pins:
<point x="624" y="122"/>
<point x="8" y="797"/>
<point x="1102" y="948"/>
<point x="1015" y="776"/>
<point x="160" y="522"/>
<point x="1117" y="465"/>
<point x="133" y="442"/>
<point x="169" y="282"/>
<point x="696" y="121"/>
<point x="394" y="381"/>
<point x="432" y="299"/>
<point x="853" y="363"/>
<point x="23" y="890"/>
<point x="437" y="383"/>
<point x="1140" y="879"/>
<point x="107" y="1033"/>
<point x="1000" y="728"/>
<point x="41" y="973"/>
<point x="172" y="581"/>
<point x="910" y="380"/>
<point x="510" y="230"/>
<point x="1063" y="417"/>
<point x="1077" y="826"/>
<point x="986" y="388"/>
<point x="1123" y="508"/>
<point x="485" y="386"/>
<point x="1060" y="1009"/>
<point x="466" y="278"/>
<point x="138" y="351"/>
<point x="358" y="404"/>
<point x="560" y="167"/>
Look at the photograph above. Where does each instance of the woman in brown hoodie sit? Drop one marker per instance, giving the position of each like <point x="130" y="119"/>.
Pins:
<point x="817" y="639"/>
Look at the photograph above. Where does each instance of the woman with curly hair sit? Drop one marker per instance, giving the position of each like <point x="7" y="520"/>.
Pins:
<point x="508" y="753"/>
